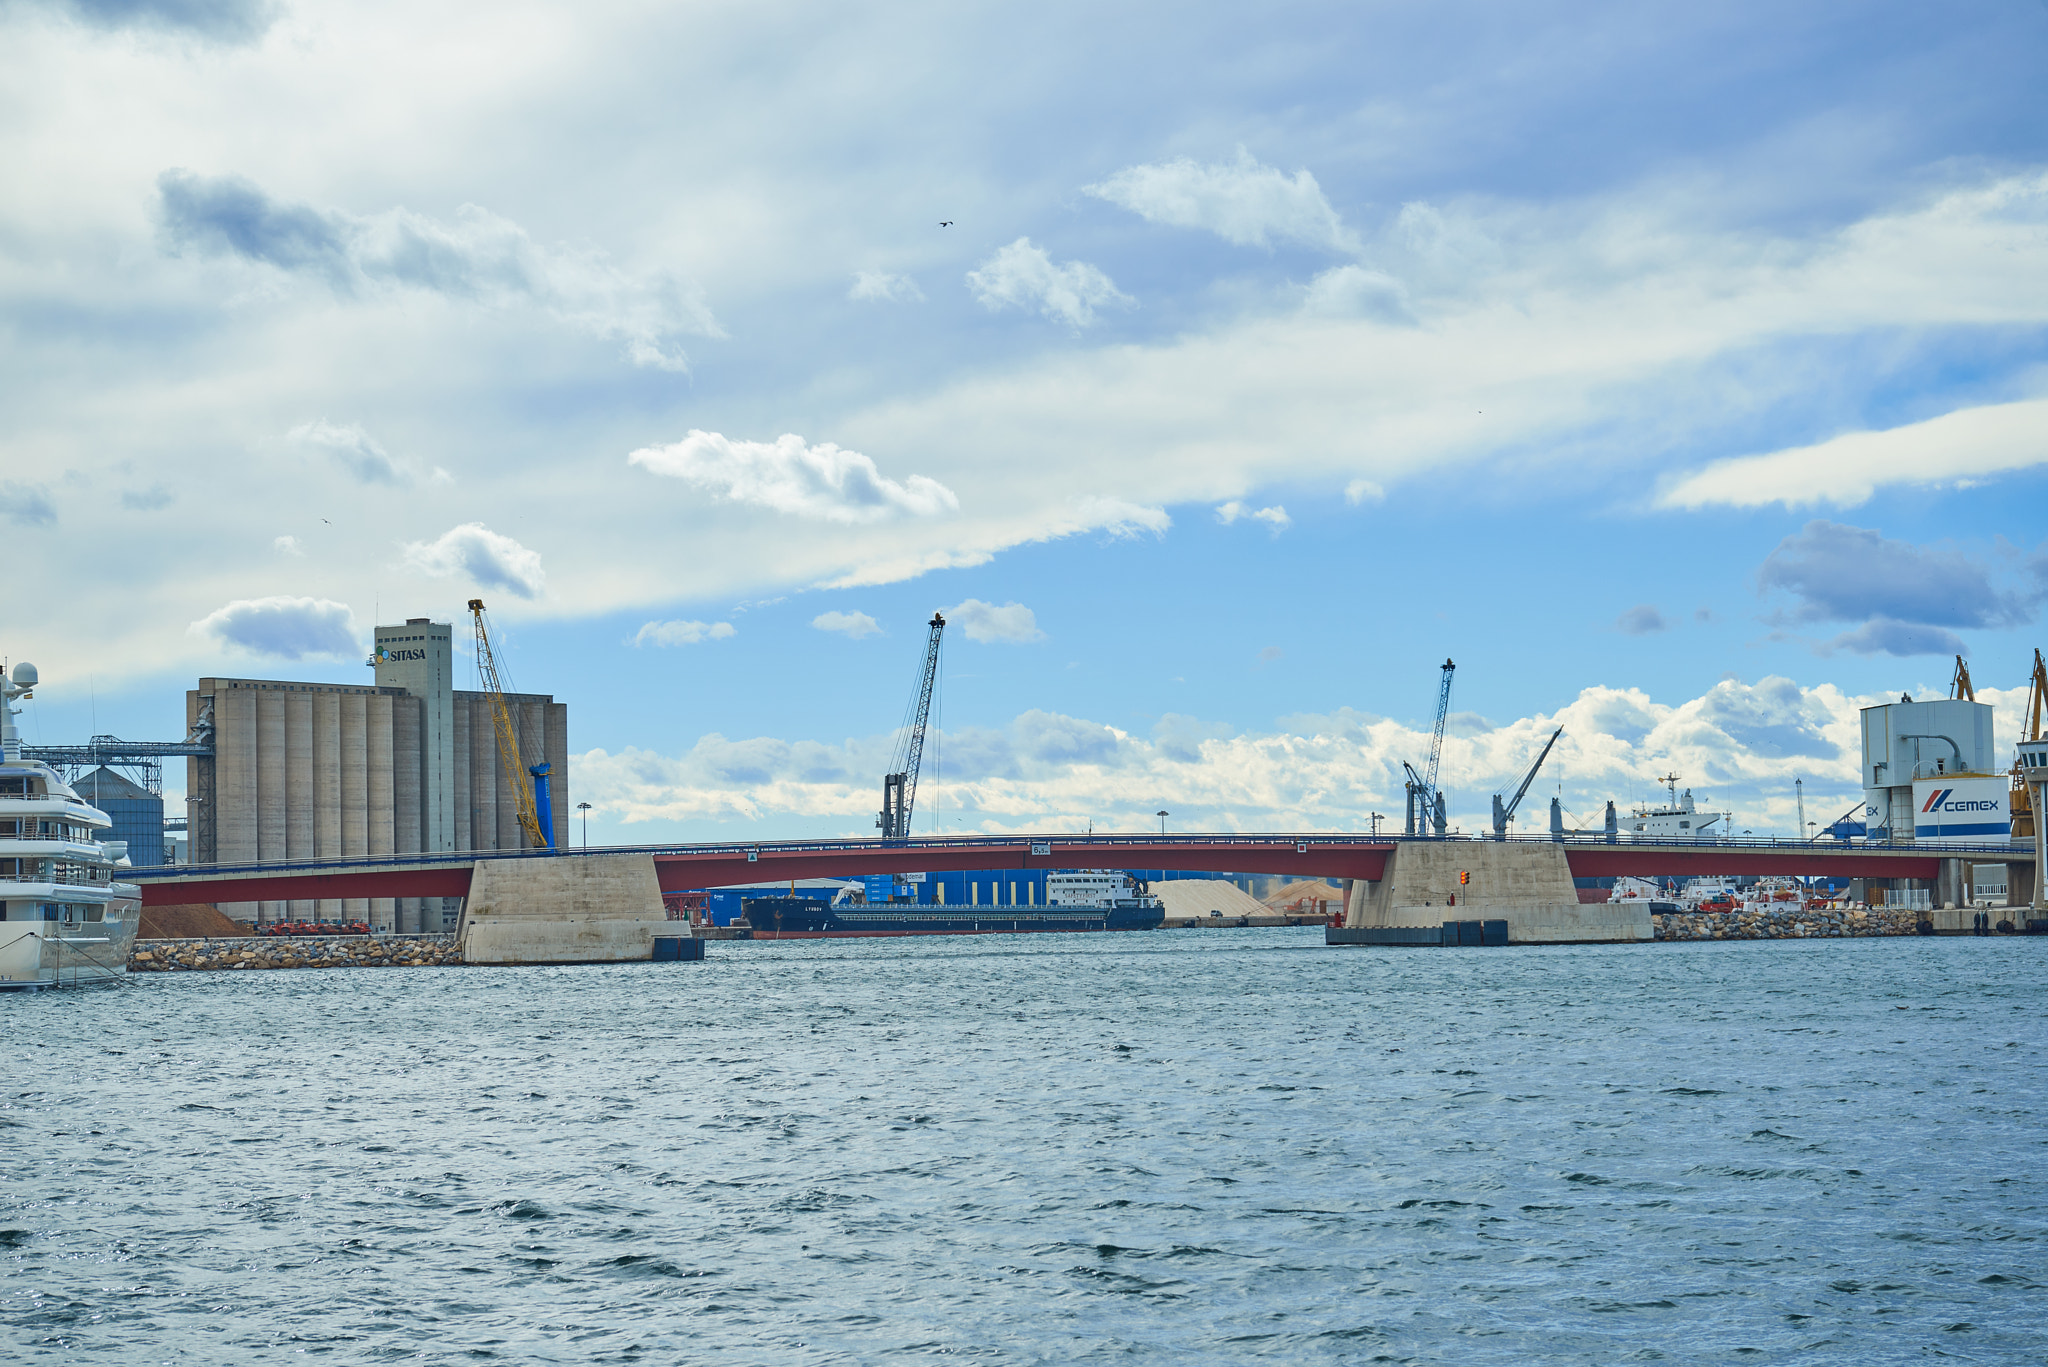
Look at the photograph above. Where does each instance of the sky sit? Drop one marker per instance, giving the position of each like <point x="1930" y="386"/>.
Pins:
<point x="1680" y="372"/>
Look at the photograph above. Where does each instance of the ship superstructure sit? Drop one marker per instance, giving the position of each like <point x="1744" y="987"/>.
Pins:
<point x="1679" y="818"/>
<point x="65" y="916"/>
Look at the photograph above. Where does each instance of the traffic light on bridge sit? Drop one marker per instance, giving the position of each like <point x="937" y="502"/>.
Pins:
<point x="1464" y="877"/>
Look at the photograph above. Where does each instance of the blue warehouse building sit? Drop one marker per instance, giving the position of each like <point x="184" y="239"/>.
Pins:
<point x="138" y="813"/>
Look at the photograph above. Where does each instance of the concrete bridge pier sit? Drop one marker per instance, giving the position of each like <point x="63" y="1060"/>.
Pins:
<point x="542" y="909"/>
<point x="1528" y="884"/>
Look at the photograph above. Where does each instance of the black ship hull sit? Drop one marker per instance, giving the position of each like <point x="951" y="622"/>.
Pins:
<point x="802" y="918"/>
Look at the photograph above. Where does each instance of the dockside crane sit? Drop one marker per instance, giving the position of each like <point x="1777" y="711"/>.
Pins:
<point x="1425" y="801"/>
<point x="1503" y="813"/>
<point x="899" y="785"/>
<point x="1959" y="686"/>
<point x="536" y="814"/>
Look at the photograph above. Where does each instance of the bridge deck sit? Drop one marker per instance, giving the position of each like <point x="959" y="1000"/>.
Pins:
<point x="721" y="865"/>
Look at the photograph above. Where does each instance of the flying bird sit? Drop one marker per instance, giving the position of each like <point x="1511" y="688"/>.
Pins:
<point x="945" y="223"/>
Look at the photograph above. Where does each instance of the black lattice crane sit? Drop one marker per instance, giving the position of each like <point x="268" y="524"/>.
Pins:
<point x="899" y="785"/>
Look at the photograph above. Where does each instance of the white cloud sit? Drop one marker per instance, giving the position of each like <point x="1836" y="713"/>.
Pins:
<point x="1275" y="517"/>
<point x="361" y="456"/>
<point x="1023" y="276"/>
<point x="1739" y="746"/>
<point x="485" y="557"/>
<point x="1848" y="469"/>
<point x="1119" y="518"/>
<point x="1361" y="491"/>
<point x="682" y="633"/>
<point x="854" y="624"/>
<point x="287" y="545"/>
<point x="883" y="287"/>
<point x="478" y="258"/>
<point x="1012" y="622"/>
<point x="1240" y="201"/>
<point x="284" y="628"/>
<point x="792" y="477"/>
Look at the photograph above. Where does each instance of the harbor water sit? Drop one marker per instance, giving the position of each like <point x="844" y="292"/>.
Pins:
<point x="1177" y="1147"/>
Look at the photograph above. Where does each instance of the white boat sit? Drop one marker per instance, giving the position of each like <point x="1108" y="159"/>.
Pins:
<point x="65" y="916"/>
<point x="1678" y="819"/>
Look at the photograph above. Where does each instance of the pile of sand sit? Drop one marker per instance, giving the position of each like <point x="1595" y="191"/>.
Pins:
<point x="1185" y="898"/>
<point x="1281" y="900"/>
<point x="187" y="921"/>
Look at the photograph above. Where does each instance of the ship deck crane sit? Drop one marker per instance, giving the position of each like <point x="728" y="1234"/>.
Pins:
<point x="536" y="815"/>
<point x="899" y="785"/>
<point x="1503" y="813"/>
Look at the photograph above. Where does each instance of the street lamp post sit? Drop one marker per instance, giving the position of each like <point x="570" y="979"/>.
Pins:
<point x="584" y="807"/>
<point x="1163" y="814"/>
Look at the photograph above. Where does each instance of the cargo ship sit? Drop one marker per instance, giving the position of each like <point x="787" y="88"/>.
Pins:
<point x="1084" y="899"/>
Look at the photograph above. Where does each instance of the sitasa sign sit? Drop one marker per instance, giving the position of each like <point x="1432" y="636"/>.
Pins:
<point x="1963" y="810"/>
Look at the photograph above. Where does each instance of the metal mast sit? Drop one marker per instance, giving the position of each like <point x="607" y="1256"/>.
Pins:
<point x="899" y="786"/>
<point x="508" y="740"/>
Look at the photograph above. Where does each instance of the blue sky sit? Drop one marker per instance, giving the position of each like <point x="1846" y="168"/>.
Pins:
<point x="1678" y="372"/>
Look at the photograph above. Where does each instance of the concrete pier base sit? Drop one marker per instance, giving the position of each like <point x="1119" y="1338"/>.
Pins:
<point x="592" y="909"/>
<point x="1525" y="883"/>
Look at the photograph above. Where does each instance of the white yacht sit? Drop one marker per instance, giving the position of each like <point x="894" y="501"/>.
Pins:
<point x="64" y="916"/>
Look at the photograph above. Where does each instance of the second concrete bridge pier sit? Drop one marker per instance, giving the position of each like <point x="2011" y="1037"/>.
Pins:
<point x="1527" y="884"/>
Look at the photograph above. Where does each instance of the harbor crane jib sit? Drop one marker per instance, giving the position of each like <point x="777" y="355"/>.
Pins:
<point x="1504" y="812"/>
<point x="899" y="785"/>
<point x="1425" y="799"/>
<point x="536" y="813"/>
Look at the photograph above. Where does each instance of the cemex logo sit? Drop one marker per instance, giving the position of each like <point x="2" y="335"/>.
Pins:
<point x="1937" y="801"/>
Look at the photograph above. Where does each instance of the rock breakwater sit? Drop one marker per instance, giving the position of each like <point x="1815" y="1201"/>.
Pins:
<point x="1790" y="923"/>
<point x="312" y="951"/>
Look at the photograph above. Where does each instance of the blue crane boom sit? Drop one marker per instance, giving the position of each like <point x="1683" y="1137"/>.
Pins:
<point x="899" y="786"/>
<point x="1425" y="800"/>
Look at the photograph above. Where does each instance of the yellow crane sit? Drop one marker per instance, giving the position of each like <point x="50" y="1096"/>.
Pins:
<point x="1959" y="686"/>
<point x="2030" y="730"/>
<point x="535" y="825"/>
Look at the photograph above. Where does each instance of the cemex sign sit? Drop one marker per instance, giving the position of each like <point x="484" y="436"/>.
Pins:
<point x="1961" y="810"/>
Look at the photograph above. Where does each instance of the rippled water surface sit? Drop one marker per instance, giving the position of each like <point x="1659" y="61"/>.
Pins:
<point x="1175" y="1147"/>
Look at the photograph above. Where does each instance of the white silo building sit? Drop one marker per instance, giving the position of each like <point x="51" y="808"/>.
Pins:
<point x="1931" y="774"/>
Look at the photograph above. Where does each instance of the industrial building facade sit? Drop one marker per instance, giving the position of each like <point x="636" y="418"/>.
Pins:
<point x="322" y="771"/>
